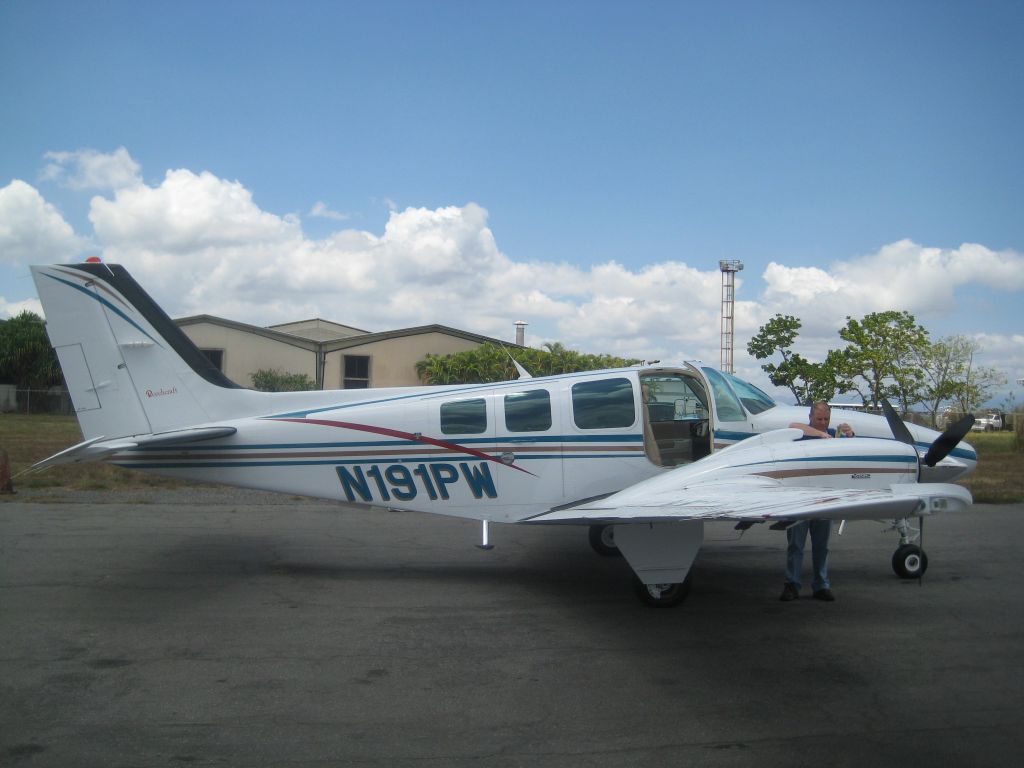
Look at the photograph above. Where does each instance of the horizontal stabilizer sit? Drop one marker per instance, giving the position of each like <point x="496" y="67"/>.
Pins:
<point x="192" y="435"/>
<point x="98" y="448"/>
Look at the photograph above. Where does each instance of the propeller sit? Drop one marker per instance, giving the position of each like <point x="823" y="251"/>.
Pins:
<point x="948" y="440"/>
<point x="896" y="426"/>
<point x="943" y="444"/>
<point x="937" y="451"/>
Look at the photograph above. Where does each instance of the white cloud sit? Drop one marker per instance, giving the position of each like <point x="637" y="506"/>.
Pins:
<point x="924" y="280"/>
<point x="90" y="169"/>
<point x="200" y="244"/>
<point x="12" y="308"/>
<point x="321" y="211"/>
<point x="31" y="229"/>
<point x="902" y="276"/>
<point x="186" y="214"/>
<point x="1004" y="352"/>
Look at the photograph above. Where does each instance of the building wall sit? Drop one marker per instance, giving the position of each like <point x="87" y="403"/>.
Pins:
<point x="246" y="353"/>
<point x="393" y="361"/>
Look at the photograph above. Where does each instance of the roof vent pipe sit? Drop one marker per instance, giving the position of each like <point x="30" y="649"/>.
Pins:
<point x="521" y="332"/>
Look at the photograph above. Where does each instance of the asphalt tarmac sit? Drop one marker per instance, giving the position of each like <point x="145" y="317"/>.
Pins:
<point x="213" y="628"/>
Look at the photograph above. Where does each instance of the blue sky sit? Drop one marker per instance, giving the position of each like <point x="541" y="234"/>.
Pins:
<point x="579" y="165"/>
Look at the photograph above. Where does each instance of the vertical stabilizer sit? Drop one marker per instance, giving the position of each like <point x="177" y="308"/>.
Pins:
<point x="129" y="369"/>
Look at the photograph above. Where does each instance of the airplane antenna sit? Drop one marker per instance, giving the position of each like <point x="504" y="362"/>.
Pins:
<point x="523" y="373"/>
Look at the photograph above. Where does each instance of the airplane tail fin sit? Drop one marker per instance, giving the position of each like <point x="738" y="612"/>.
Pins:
<point x="129" y="369"/>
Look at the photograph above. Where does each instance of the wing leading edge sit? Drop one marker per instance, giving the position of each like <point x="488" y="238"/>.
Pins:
<point x="759" y="499"/>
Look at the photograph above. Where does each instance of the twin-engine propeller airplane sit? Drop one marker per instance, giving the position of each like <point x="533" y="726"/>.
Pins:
<point x="644" y="455"/>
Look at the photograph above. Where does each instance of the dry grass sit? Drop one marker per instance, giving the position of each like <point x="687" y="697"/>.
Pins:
<point x="28" y="439"/>
<point x="999" y="478"/>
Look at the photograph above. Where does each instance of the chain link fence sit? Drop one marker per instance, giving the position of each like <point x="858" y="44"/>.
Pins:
<point x="53" y="400"/>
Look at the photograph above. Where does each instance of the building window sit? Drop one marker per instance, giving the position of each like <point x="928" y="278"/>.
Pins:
<point x="357" y="371"/>
<point x="215" y="356"/>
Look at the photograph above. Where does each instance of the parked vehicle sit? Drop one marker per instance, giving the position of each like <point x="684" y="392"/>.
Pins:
<point x="989" y="422"/>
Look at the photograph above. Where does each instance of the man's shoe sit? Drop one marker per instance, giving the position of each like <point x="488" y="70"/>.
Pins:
<point x="824" y="594"/>
<point x="789" y="592"/>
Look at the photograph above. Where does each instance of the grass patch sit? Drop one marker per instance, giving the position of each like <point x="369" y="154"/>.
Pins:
<point x="999" y="478"/>
<point x="28" y="439"/>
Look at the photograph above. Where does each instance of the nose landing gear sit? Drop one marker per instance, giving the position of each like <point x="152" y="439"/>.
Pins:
<point x="909" y="561"/>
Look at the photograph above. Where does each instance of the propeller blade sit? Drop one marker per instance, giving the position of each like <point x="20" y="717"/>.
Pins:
<point x="896" y="425"/>
<point x="948" y="440"/>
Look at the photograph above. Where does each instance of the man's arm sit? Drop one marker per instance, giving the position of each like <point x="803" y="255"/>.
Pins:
<point x="809" y="431"/>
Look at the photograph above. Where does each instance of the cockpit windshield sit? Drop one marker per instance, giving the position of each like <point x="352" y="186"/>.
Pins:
<point x="727" y="388"/>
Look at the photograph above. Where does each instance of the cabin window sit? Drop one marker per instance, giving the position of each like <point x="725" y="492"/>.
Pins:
<point x="464" y="417"/>
<point x="603" y="404"/>
<point x="528" y="411"/>
<point x="728" y="406"/>
<point x="357" y="371"/>
<point x="753" y="399"/>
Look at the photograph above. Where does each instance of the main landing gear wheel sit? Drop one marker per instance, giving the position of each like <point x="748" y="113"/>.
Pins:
<point x="602" y="539"/>
<point x="909" y="561"/>
<point x="662" y="595"/>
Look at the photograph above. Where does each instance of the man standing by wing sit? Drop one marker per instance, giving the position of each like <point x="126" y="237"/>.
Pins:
<point x="820" y="530"/>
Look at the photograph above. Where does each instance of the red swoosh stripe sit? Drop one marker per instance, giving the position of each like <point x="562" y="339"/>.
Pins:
<point x="417" y="438"/>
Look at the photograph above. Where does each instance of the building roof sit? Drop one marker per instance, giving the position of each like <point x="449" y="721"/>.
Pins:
<point x="370" y="338"/>
<point x="318" y="329"/>
<point x="333" y="344"/>
<point x="267" y="333"/>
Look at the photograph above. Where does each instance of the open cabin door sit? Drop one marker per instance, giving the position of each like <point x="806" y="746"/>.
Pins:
<point x="677" y="417"/>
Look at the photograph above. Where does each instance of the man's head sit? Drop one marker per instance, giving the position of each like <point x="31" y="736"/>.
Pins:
<point x="821" y="413"/>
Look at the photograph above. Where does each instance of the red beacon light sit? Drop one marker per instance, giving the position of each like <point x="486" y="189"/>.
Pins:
<point x="94" y="260"/>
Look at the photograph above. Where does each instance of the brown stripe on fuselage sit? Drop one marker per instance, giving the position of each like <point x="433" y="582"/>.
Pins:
<point x="367" y="455"/>
<point x="784" y="474"/>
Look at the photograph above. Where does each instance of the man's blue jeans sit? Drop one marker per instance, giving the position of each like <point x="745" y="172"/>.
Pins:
<point x="797" y="536"/>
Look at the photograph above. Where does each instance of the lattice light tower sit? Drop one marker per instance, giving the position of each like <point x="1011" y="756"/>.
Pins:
<point x="729" y="270"/>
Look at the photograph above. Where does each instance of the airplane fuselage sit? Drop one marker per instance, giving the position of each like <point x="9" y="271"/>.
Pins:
<point x="629" y="451"/>
<point x="504" y="452"/>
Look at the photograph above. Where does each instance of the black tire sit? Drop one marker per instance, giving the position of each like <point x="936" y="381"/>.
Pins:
<point x="602" y="539"/>
<point x="668" y="594"/>
<point x="909" y="561"/>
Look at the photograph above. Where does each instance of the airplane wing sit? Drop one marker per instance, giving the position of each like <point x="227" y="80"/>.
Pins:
<point x="761" y="499"/>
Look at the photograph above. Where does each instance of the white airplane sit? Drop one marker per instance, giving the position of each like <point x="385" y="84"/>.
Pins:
<point x="643" y="455"/>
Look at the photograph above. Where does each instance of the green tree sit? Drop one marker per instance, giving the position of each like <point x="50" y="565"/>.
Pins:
<point x="806" y="380"/>
<point x="27" y="358"/>
<point x="492" y="362"/>
<point x="878" y="361"/>
<point x="976" y="384"/>
<point x="946" y="365"/>
<point x="270" y="380"/>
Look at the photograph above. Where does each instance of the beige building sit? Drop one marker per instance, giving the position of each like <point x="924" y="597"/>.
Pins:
<point x="335" y="356"/>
